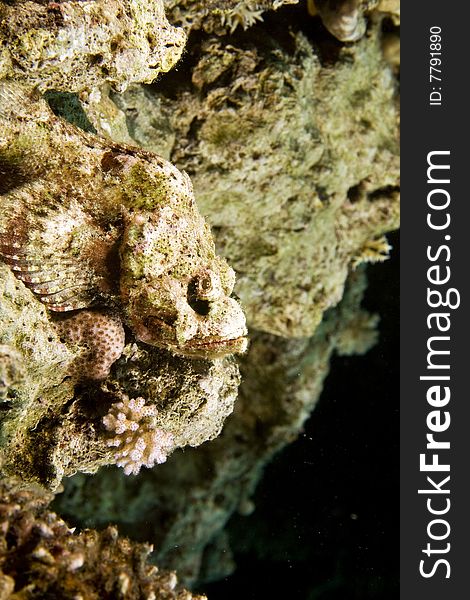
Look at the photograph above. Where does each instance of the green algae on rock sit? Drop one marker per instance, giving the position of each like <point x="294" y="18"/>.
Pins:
<point x="87" y="222"/>
<point x="292" y="147"/>
<point x="74" y="46"/>
<point x="41" y="557"/>
<point x="294" y="159"/>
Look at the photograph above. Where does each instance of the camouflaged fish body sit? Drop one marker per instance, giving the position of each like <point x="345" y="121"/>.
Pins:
<point x="85" y="222"/>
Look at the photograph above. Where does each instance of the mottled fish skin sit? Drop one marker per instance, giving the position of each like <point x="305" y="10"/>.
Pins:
<point x="85" y="222"/>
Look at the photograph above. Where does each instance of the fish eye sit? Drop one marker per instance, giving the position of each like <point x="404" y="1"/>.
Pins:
<point x="198" y="304"/>
<point x="205" y="284"/>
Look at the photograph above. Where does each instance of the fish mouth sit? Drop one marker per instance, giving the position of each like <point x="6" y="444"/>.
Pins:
<point x="213" y="347"/>
<point x="160" y="331"/>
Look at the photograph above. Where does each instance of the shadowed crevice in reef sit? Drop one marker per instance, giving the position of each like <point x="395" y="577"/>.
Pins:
<point x="338" y="536"/>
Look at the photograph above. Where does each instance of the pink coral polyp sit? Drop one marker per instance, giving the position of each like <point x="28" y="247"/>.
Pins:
<point x="137" y="441"/>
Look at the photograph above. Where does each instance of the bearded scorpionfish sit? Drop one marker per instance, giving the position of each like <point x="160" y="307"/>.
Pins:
<point x="86" y="222"/>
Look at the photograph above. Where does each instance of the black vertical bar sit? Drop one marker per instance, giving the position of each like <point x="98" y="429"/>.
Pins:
<point x="435" y="119"/>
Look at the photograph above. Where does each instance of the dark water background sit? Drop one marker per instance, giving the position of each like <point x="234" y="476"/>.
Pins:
<point x="326" y="520"/>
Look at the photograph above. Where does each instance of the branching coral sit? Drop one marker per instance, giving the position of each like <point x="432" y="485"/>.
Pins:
<point x="138" y="442"/>
<point x="244" y="14"/>
<point x="41" y="557"/>
<point x="100" y="339"/>
<point x="220" y="16"/>
<point x="373" y="251"/>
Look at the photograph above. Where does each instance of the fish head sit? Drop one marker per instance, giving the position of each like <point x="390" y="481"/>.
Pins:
<point x="176" y="292"/>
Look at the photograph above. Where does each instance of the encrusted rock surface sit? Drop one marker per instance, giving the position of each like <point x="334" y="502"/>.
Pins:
<point x="33" y="360"/>
<point x="290" y="138"/>
<point x="184" y="504"/>
<point x="294" y="160"/>
<point x="41" y="557"/>
<point x="51" y="429"/>
<point x="75" y="46"/>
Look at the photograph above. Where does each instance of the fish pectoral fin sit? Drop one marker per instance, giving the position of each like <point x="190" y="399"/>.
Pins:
<point x="58" y="286"/>
<point x="59" y="254"/>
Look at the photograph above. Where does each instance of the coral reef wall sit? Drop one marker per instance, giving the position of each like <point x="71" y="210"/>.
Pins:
<point x="76" y="46"/>
<point x="282" y="116"/>
<point x="190" y="498"/>
<point x="293" y="157"/>
<point x="41" y="557"/>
